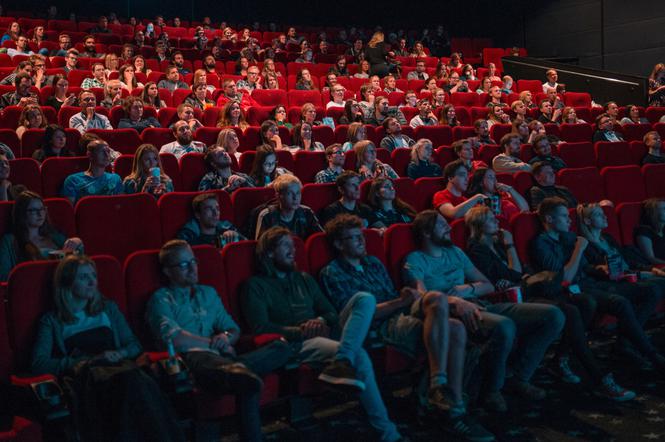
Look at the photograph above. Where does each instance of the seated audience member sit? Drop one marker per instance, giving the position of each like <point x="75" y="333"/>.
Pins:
<point x="354" y="133"/>
<point x="269" y="133"/>
<point x="147" y="173"/>
<point x="22" y="47"/>
<point x="448" y="116"/>
<point x="516" y="336"/>
<point x="172" y="80"/>
<point x="251" y="81"/>
<point x="303" y="138"/>
<point x="508" y="82"/>
<point x="98" y="79"/>
<point x="420" y="73"/>
<point x="112" y="94"/>
<point x="545" y="187"/>
<point x="88" y="118"/>
<point x="232" y="115"/>
<point x="21" y="95"/>
<point x="526" y="97"/>
<point x="340" y="68"/>
<point x="451" y="201"/>
<point x="394" y="138"/>
<point x="54" y="145"/>
<point x="186" y="113"/>
<point x="388" y="208"/>
<point x="552" y="78"/>
<point x="140" y="66"/>
<point x="558" y="250"/>
<point x="230" y="92"/>
<point x="111" y="63"/>
<point x="287" y="211"/>
<point x="520" y="111"/>
<point x="150" y="96"/>
<point x="569" y="116"/>
<point x="178" y="61"/>
<point x="484" y="86"/>
<point x="335" y="158"/>
<point x="521" y="129"/>
<point x="32" y="237"/>
<point x="32" y="117"/>
<point x="336" y="97"/>
<point x="543" y="153"/>
<point x="503" y="199"/>
<point x="71" y="61"/>
<point x="264" y="168"/>
<point x="535" y="128"/>
<point x="508" y="160"/>
<point x="425" y="115"/>
<point x="495" y="97"/>
<point x="496" y="115"/>
<point x="409" y="319"/>
<point x="304" y="80"/>
<point x="492" y="72"/>
<point x="547" y="113"/>
<point x="191" y="317"/>
<point x="649" y="234"/>
<point x="95" y="181"/>
<point x="482" y="131"/>
<point x="206" y="227"/>
<point x="228" y="139"/>
<point x="410" y="99"/>
<point x="198" y="98"/>
<point x="220" y="176"/>
<point x="348" y="185"/>
<point x="554" y="99"/>
<point x="438" y="98"/>
<point x="64" y="44"/>
<point x="61" y="95"/>
<point x="23" y="66"/>
<point x="492" y="251"/>
<point x="653" y="143"/>
<point x="455" y="84"/>
<point x="382" y="110"/>
<point x="390" y="84"/>
<point x="612" y="110"/>
<point x="367" y="98"/>
<point x="312" y="323"/>
<point x="463" y="150"/>
<point x="279" y="116"/>
<point x="421" y="164"/>
<point x="656" y="92"/>
<point x="184" y="141"/>
<point x="102" y="26"/>
<point x="633" y="116"/>
<point x="605" y="130"/>
<point x="367" y="165"/>
<point x="134" y="119"/>
<point x="87" y="339"/>
<point x="308" y="114"/>
<point x="363" y="70"/>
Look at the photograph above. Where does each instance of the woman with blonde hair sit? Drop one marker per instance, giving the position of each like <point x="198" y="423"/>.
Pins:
<point x="32" y="117"/>
<point x="657" y="86"/>
<point x="201" y="76"/>
<point x="367" y="165"/>
<point x="355" y="132"/>
<point x="421" y="164"/>
<point x="111" y="63"/>
<point x="228" y="139"/>
<point x="569" y="116"/>
<point x="376" y="55"/>
<point x="147" y="175"/>
<point x="87" y="338"/>
<point x="526" y="97"/>
<point x="231" y="115"/>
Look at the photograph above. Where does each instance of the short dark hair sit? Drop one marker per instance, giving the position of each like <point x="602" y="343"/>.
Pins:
<point x="345" y="177"/>
<point x="336" y="227"/>
<point x="601" y="116"/>
<point x="451" y="168"/>
<point x="538" y="138"/>
<point x="423" y="224"/>
<point x="458" y="145"/>
<point x="539" y="166"/>
<point x="200" y="199"/>
<point x="20" y="76"/>
<point x="331" y="148"/>
<point x="506" y="139"/>
<point x="548" y="206"/>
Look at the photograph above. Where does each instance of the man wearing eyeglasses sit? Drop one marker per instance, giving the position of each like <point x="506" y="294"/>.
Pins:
<point x="88" y="118"/>
<point x="71" y="61"/>
<point x="192" y="317"/>
<point x="335" y="156"/>
<point x="605" y="129"/>
<point x="251" y="81"/>
<point x="231" y="93"/>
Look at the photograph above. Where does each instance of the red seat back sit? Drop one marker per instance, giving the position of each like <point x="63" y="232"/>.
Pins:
<point x="576" y="132"/>
<point x="398" y="243"/>
<point x="654" y="177"/>
<point x="577" y="154"/>
<point x="192" y="169"/>
<point x="623" y="184"/>
<point x="585" y="183"/>
<point x="612" y="154"/>
<point x="439" y="135"/>
<point x="425" y="188"/>
<point x="525" y="226"/>
<point x="628" y="215"/>
<point x="308" y="164"/>
<point x="247" y="198"/>
<point x="56" y="170"/>
<point x="25" y="171"/>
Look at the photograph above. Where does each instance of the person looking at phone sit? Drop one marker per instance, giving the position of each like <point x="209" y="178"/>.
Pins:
<point x="61" y="94"/>
<point x="88" y="118"/>
<point x="22" y="95"/>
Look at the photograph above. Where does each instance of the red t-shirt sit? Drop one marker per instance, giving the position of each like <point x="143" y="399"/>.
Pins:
<point x="508" y="207"/>
<point x="444" y="196"/>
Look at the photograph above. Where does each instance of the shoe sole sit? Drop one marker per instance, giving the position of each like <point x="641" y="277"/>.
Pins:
<point x="342" y="382"/>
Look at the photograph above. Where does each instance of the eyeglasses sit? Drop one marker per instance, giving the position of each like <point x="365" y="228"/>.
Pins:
<point x="184" y="265"/>
<point x="36" y="211"/>
<point x="337" y="152"/>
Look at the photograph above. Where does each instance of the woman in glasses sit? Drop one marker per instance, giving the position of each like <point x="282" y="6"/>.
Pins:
<point x="278" y="115"/>
<point x="32" y="237"/>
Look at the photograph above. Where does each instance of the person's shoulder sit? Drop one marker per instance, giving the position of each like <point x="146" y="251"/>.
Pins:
<point x="415" y="257"/>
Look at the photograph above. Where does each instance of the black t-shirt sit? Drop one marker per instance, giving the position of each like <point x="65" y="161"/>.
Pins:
<point x="652" y="159"/>
<point x="361" y="210"/>
<point x="657" y="240"/>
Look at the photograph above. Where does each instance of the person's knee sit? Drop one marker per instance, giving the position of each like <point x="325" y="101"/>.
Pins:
<point x="436" y="302"/>
<point x="555" y="318"/>
<point x="504" y="332"/>
<point x="364" y="301"/>
<point x="457" y="333"/>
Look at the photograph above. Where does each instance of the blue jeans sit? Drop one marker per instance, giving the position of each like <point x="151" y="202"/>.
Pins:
<point x="355" y="320"/>
<point x="536" y="326"/>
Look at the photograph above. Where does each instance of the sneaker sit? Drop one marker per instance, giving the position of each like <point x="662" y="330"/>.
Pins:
<point x="495" y="402"/>
<point x="341" y="373"/>
<point x="525" y="390"/>
<point x="437" y="399"/>
<point x="464" y="428"/>
<point x="609" y="389"/>
<point x="562" y="371"/>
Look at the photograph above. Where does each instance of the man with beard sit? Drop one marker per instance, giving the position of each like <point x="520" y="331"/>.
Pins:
<point x="206" y="227"/>
<point x="184" y="141"/>
<point x="440" y="265"/>
<point x="95" y="181"/>
<point x="209" y="64"/>
<point x="231" y="93"/>
<point x="22" y="95"/>
<point x="283" y="300"/>
<point x="192" y="318"/>
<point x="89" y="48"/>
<point x="408" y="319"/>
<point x="221" y="176"/>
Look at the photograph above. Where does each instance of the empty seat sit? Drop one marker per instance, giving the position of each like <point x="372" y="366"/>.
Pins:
<point x="298" y="98"/>
<point x="535" y="86"/>
<point x="628" y="215"/>
<point x="25" y="171"/>
<point x="623" y="184"/>
<point x="579" y="154"/>
<point x="247" y="198"/>
<point x="465" y="99"/>
<point x="425" y="188"/>
<point x="525" y="226"/>
<point x="576" y="132"/>
<point x="654" y="180"/>
<point x="439" y="135"/>
<point x="577" y="99"/>
<point x="61" y="215"/>
<point x="157" y="136"/>
<point x="272" y="98"/>
<point x="635" y="132"/>
<point x="584" y="183"/>
<point x="317" y="196"/>
<point x="123" y="140"/>
<point x="56" y="170"/>
<point x="308" y="164"/>
<point x="192" y="169"/>
<point x="9" y="137"/>
<point x="612" y="154"/>
<point x="118" y="225"/>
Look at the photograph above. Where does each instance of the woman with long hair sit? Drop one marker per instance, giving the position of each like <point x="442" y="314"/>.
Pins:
<point x="354" y="133"/>
<point x="485" y="85"/>
<point x="569" y="116"/>
<point x="54" y="145"/>
<point x="650" y="234"/>
<point x="147" y="175"/>
<point x="353" y="113"/>
<point x="231" y="115"/>
<point x="418" y="50"/>
<point x="304" y="80"/>
<point x="279" y="116"/>
<point x="228" y="139"/>
<point x="87" y="338"/>
<point x="264" y="168"/>
<point x="270" y="135"/>
<point x="367" y="165"/>
<point x="505" y="200"/>
<point x="448" y="117"/>
<point x="127" y="78"/>
<point x="13" y="32"/>
<point x="657" y="86"/>
<point x="363" y="70"/>
<point x="32" y="236"/>
<point x="150" y="96"/>
<point x="632" y="116"/>
<point x="303" y="138"/>
<point x="32" y="117"/>
<point x="140" y="65"/>
<point x="388" y="208"/>
<point x="111" y="63"/>
<point x="376" y="55"/>
<point x="61" y="95"/>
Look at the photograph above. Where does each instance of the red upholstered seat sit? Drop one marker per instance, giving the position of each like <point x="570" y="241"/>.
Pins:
<point x="56" y="170"/>
<point x="623" y="184"/>
<point x="585" y="183"/>
<point x="525" y="226"/>
<point x="612" y="154"/>
<point x="308" y="164"/>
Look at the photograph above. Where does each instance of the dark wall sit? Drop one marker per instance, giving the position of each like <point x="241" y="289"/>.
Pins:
<point x="633" y="33"/>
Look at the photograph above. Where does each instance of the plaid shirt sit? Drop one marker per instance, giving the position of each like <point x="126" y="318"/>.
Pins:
<point x="214" y="180"/>
<point x="327" y="175"/>
<point x="340" y="281"/>
<point x="303" y="224"/>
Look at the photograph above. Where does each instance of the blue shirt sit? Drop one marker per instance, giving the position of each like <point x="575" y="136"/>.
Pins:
<point x="80" y="184"/>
